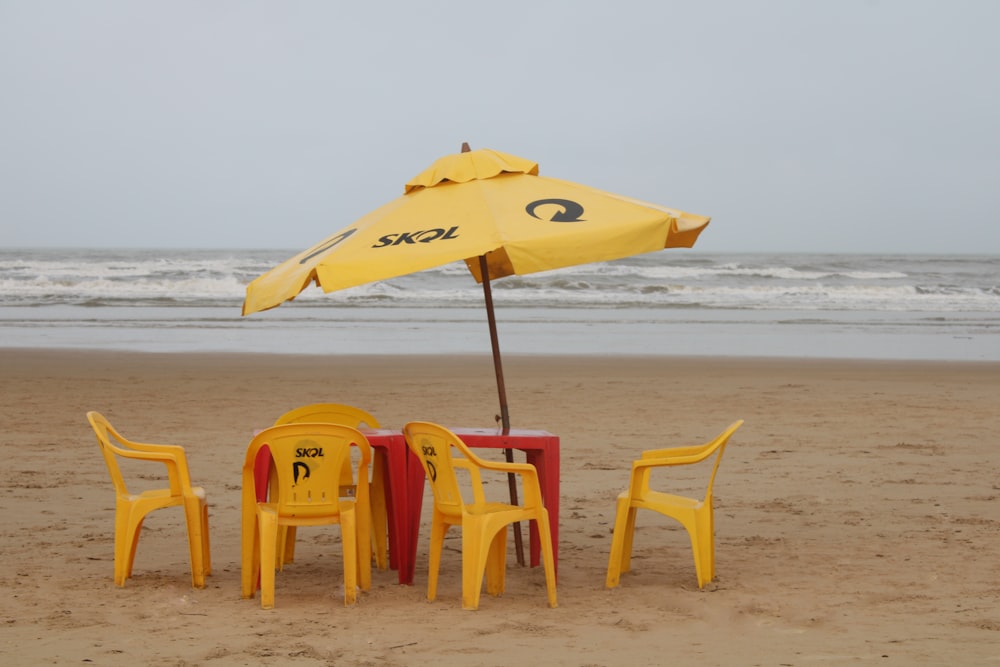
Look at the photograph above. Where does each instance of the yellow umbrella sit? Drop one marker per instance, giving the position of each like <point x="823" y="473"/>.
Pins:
<point x="491" y="210"/>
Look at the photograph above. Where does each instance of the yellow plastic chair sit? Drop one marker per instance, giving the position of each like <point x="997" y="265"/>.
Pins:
<point x="308" y="491"/>
<point x="695" y="515"/>
<point x="484" y="524"/>
<point x="373" y="518"/>
<point x="131" y="509"/>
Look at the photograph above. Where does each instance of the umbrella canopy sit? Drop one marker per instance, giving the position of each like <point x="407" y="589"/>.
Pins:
<point x="480" y="203"/>
<point x="496" y="213"/>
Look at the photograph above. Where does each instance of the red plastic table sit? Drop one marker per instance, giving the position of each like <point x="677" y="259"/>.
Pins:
<point x="405" y="486"/>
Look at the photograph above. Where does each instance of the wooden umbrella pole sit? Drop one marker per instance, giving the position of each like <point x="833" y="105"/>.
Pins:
<point x="502" y="391"/>
<point x="495" y="342"/>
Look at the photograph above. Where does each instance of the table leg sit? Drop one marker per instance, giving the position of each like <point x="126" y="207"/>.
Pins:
<point x="547" y="464"/>
<point x="381" y="504"/>
<point x="415" y="484"/>
<point x="537" y="459"/>
<point x="398" y="497"/>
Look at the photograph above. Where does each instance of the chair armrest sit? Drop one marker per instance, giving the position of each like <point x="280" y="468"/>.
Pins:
<point x="478" y="495"/>
<point x="150" y="447"/>
<point x="693" y="453"/>
<point x="660" y="461"/>
<point x="670" y="452"/>
<point x="172" y="456"/>
<point x="503" y="466"/>
<point x="528" y="474"/>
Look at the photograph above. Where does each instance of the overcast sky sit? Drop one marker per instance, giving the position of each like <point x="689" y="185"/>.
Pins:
<point x="843" y="126"/>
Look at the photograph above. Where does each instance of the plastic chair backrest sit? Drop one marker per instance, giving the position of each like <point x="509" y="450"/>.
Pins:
<point x="720" y="445"/>
<point x="309" y="460"/>
<point x="105" y="433"/>
<point x="432" y="445"/>
<point x="333" y="413"/>
<point x="672" y="456"/>
<point x="330" y="413"/>
<point x="113" y="444"/>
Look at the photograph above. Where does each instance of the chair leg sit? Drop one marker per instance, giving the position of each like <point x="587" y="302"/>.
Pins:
<point x="621" y="540"/>
<point x="710" y="537"/>
<point x="364" y="543"/>
<point x="545" y="537"/>
<point x="122" y="538"/>
<point x="380" y="514"/>
<point x="206" y="547"/>
<point x="496" y="563"/>
<point x="703" y="545"/>
<point x="349" y="542"/>
<point x="131" y="543"/>
<point x="286" y="545"/>
<point x="438" y="530"/>
<point x="629" y="538"/>
<point x="196" y="540"/>
<point x="699" y="566"/>
<point x="474" y="558"/>
<point x="268" y="523"/>
<point x="249" y="551"/>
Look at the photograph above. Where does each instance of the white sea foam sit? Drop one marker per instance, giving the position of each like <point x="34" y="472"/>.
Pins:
<point x="928" y="307"/>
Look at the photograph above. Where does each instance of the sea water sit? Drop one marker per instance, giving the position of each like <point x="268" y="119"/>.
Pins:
<point x="674" y="302"/>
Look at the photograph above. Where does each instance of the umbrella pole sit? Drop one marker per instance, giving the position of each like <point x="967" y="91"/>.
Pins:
<point x="495" y="342"/>
<point x="502" y="391"/>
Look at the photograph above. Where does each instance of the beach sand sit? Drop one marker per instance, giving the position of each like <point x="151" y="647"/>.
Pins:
<point x="857" y="514"/>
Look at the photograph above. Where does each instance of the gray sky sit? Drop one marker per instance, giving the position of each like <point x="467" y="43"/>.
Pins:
<point x="842" y="126"/>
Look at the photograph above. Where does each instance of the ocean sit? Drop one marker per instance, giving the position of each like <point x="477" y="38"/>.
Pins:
<point x="674" y="302"/>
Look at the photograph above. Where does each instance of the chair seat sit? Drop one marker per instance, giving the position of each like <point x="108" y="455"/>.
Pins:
<point x="304" y="519"/>
<point x="166" y="493"/>
<point x="492" y="508"/>
<point x="657" y="499"/>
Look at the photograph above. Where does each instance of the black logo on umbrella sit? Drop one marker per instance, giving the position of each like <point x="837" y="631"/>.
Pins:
<point x="326" y="244"/>
<point x="569" y="211"/>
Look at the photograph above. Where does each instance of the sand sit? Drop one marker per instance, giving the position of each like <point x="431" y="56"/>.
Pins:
<point x="857" y="514"/>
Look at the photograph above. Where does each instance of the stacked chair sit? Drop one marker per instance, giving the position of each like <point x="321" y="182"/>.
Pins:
<point x="315" y="484"/>
<point x="374" y="514"/>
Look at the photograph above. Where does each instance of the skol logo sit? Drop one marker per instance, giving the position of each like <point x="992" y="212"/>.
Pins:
<point x="428" y="450"/>
<point x="422" y="236"/>
<point x="309" y="449"/>
<point x="308" y="452"/>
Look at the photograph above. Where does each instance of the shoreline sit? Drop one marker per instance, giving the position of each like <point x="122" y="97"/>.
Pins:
<point x="514" y="357"/>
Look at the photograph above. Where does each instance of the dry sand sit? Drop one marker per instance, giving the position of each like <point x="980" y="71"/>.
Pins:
<point x="857" y="514"/>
